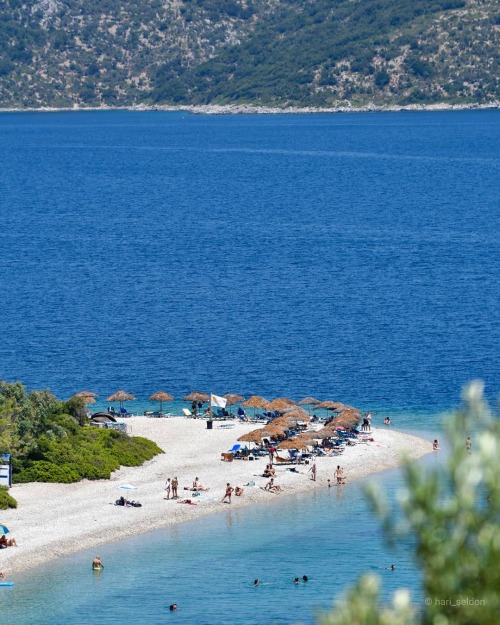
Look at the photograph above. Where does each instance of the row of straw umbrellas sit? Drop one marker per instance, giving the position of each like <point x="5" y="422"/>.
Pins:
<point x="290" y="413"/>
<point x="280" y="404"/>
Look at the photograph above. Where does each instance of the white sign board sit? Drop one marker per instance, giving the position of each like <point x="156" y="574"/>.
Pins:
<point x="5" y="475"/>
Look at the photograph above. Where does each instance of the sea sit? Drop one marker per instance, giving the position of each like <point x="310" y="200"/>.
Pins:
<point x="352" y="257"/>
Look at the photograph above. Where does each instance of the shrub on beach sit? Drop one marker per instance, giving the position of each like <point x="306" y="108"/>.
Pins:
<point x="49" y="445"/>
<point x="452" y="514"/>
<point x="6" y="500"/>
<point x="92" y="454"/>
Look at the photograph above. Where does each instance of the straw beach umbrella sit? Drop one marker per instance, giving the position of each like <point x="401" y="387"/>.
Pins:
<point x="280" y="404"/>
<point x="161" y="396"/>
<point x="292" y="443"/>
<point x="327" y="405"/>
<point x="255" y="401"/>
<point x="309" y="401"/>
<point x="87" y="396"/>
<point x="197" y="397"/>
<point x="232" y="399"/>
<point x="121" y="396"/>
<point x="255" y="436"/>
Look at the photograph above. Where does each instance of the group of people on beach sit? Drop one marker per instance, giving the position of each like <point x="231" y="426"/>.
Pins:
<point x="172" y="487"/>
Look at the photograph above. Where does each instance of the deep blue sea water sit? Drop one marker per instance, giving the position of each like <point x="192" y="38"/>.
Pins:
<point x="352" y="257"/>
<point x="349" y="257"/>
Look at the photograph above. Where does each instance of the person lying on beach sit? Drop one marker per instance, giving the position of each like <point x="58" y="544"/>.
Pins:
<point x="7" y="542"/>
<point x="2" y="575"/>
<point x="188" y="501"/>
<point x="197" y="486"/>
<point x="238" y="491"/>
<point x="272" y="487"/>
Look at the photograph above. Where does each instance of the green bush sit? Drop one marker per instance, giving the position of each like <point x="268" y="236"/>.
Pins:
<point x="6" y="500"/>
<point x="43" y="471"/>
<point x="92" y="454"/>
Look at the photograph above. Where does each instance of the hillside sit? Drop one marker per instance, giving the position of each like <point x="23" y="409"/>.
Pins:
<point x="62" y="53"/>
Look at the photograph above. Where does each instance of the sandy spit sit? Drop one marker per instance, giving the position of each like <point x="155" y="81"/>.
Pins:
<point x="58" y="519"/>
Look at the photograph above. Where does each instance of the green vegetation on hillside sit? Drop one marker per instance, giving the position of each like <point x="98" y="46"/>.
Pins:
<point x="452" y="514"/>
<point x="270" y="52"/>
<point x="50" y="441"/>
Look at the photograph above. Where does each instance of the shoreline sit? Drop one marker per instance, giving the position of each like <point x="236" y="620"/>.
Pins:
<point x="251" y="109"/>
<point x="54" y="520"/>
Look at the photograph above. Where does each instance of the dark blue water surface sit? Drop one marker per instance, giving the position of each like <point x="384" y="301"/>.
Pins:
<point x="352" y="257"/>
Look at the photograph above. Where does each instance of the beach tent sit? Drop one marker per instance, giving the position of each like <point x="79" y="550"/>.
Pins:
<point x="102" y="417"/>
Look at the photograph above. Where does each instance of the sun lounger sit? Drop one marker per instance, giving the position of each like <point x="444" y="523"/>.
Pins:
<point x="226" y="425"/>
<point x="187" y="413"/>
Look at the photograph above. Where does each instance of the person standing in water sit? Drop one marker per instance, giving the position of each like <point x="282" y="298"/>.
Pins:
<point x="97" y="565"/>
<point x="468" y="444"/>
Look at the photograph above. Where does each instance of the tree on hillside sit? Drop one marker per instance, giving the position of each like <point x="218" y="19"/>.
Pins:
<point x="453" y="515"/>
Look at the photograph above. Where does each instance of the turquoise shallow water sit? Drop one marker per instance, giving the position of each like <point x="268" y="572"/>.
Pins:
<point x="207" y="567"/>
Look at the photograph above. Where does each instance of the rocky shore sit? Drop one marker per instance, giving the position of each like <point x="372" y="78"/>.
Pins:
<point x="251" y="109"/>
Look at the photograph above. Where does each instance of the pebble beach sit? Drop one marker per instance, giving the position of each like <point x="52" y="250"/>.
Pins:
<point x="53" y="520"/>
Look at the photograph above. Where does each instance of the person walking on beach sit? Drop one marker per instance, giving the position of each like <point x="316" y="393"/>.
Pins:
<point x="313" y="471"/>
<point x="167" y="489"/>
<point x="229" y="492"/>
<point x="175" y="486"/>
<point x="272" y="451"/>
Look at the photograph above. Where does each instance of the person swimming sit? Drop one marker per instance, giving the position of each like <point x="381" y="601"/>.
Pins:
<point x="391" y="568"/>
<point x="305" y="578"/>
<point x="172" y="607"/>
<point x="256" y="582"/>
<point x="296" y="580"/>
